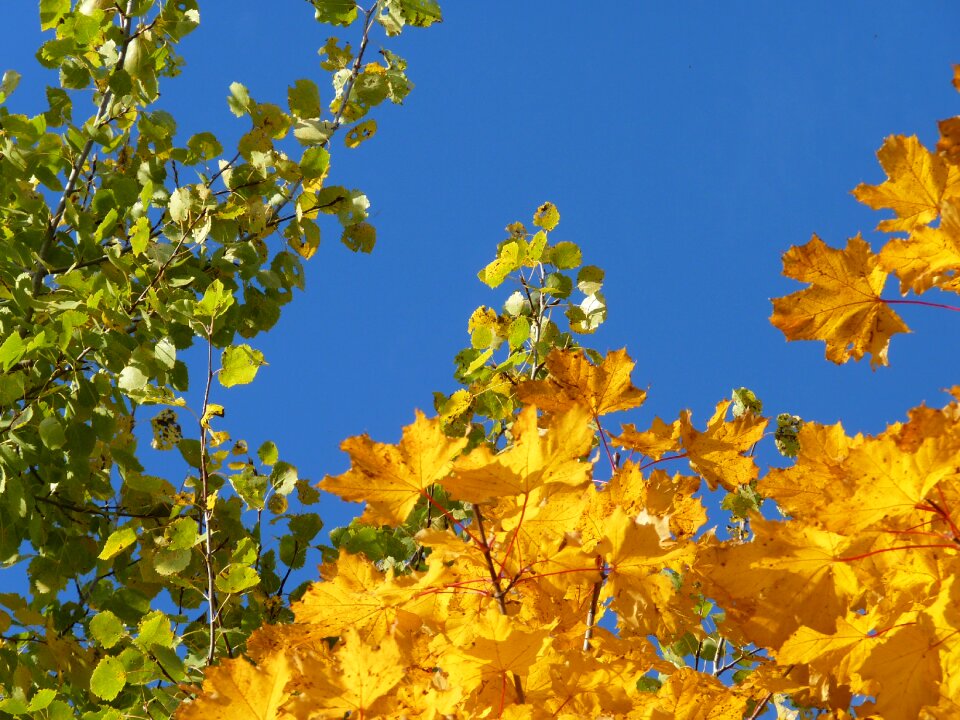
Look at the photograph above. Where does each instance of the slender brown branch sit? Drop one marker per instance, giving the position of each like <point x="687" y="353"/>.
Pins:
<point x="594" y="606"/>
<point x="495" y="579"/>
<point x="213" y="612"/>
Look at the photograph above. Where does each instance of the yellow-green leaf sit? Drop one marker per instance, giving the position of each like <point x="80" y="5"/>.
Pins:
<point x="108" y="678"/>
<point x="118" y="541"/>
<point x="239" y="365"/>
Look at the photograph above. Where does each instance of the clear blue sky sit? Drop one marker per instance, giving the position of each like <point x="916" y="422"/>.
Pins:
<point x="687" y="145"/>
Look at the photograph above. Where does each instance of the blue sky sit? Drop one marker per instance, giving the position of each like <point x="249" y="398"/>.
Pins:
<point x="687" y="146"/>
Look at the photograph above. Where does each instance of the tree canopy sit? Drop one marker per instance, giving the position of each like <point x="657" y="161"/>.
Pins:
<point x="518" y="555"/>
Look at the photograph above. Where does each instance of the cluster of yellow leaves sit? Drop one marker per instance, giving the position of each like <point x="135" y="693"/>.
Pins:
<point x="502" y="622"/>
<point x="857" y="594"/>
<point x="843" y="305"/>
<point x="854" y="595"/>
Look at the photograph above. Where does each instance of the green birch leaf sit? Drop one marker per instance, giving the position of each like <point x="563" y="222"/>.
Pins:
<point x="154" y="629"/>
<point x="108" y="678"/>
<point x="335" y="12"/>
<point x="215" y="301"/>
<point x="11" y="78"/>
<point x="360" y="237"/>
<point x="303" y="98"/>
<point x="168" y="562"/>
<point x="106" y="628"/>
<point x="239" y="365"/>
<point x="41" y="700"/>
<point x="131" y="379"/>
<point x="140" y="237"/>
<point x="118" y="541"/>
<point x="51" y="433"/>
<point x="565" y="255"/>
<point x="283" y="478"/>
<point x="51" y="12"/>
<point x="236" y="578"/>
<point x="314" y="163"/>
<point x="11" y="351"/>
<point x="268" y="453"/>
<point x="182" y="534"/>
<point x="419" y="13"/>
<point x="239" y="100"/>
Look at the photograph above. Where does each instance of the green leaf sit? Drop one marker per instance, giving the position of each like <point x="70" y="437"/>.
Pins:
<point x="51" y="433"/>
<point x="108" y="678"/>
<point x="51" y="12"/>
<point x="239" y="100"/>
<point x="314" y="163"/>
<point x="108" y="223"/>
<point x="182" y="534"/>
<point x="360" y="237"/>
<point x="313" y="132"/>
<point x="106" y="628"/>
<point x="589" y="279"/>
<point x="140" y="237"/>
<point x="251" y="487"/>
<point x="303" y="98"/>
<point x="118" y="541"/>
<point x="745" y="401"/>
<point x="11" y="351"/>
<point x="236" y="578"/>
<point x="41" y="700"/>
<point x="565" y="255"/>
<point x="154" y="629"/>
<point x="283" y="478"/>
<point x="519" y="332"/>
<point x="11" y="78"/>
<point x="335" y="12"/>
<point x="239" y="365"/>
<point x="268" y="453"/>
<point x="131" y="379"/>
<point x="420" y="13"/>
<point x="168" y="562"/>
<point x="215" y="301"/>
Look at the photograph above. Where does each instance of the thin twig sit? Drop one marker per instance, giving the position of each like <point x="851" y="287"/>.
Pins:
<point x="594" y="606"/>
<point x="205" y="509"/>
<point x="495" y="579"/>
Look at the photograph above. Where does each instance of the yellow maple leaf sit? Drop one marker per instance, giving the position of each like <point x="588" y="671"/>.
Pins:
<point x="654" y="443"/>
<point x="636" y="555"/>
<point x="717" y="452"/>
<point x="601" y="388"/>
<point x="392" y="478"/>
<point x="237" y="689"/>
<point x="930" y="257"/>
<point x="533" y="459"/>
<point x="690" y="695"/>
<point x="916" y="180"/>
<point x="366" y="674"/>
<point x="843" y="305"/>
<point x="354" y="594"/>
<point x="786" y="577"/>
<point x="850" y="484"/>
<point x="904" y="671"/>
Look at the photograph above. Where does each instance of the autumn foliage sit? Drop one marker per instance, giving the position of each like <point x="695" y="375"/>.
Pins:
<point x="559" y="591"/>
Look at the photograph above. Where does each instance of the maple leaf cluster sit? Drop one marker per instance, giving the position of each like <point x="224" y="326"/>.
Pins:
<point x="555" y="593"/>
<point x="843" y="305"/>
